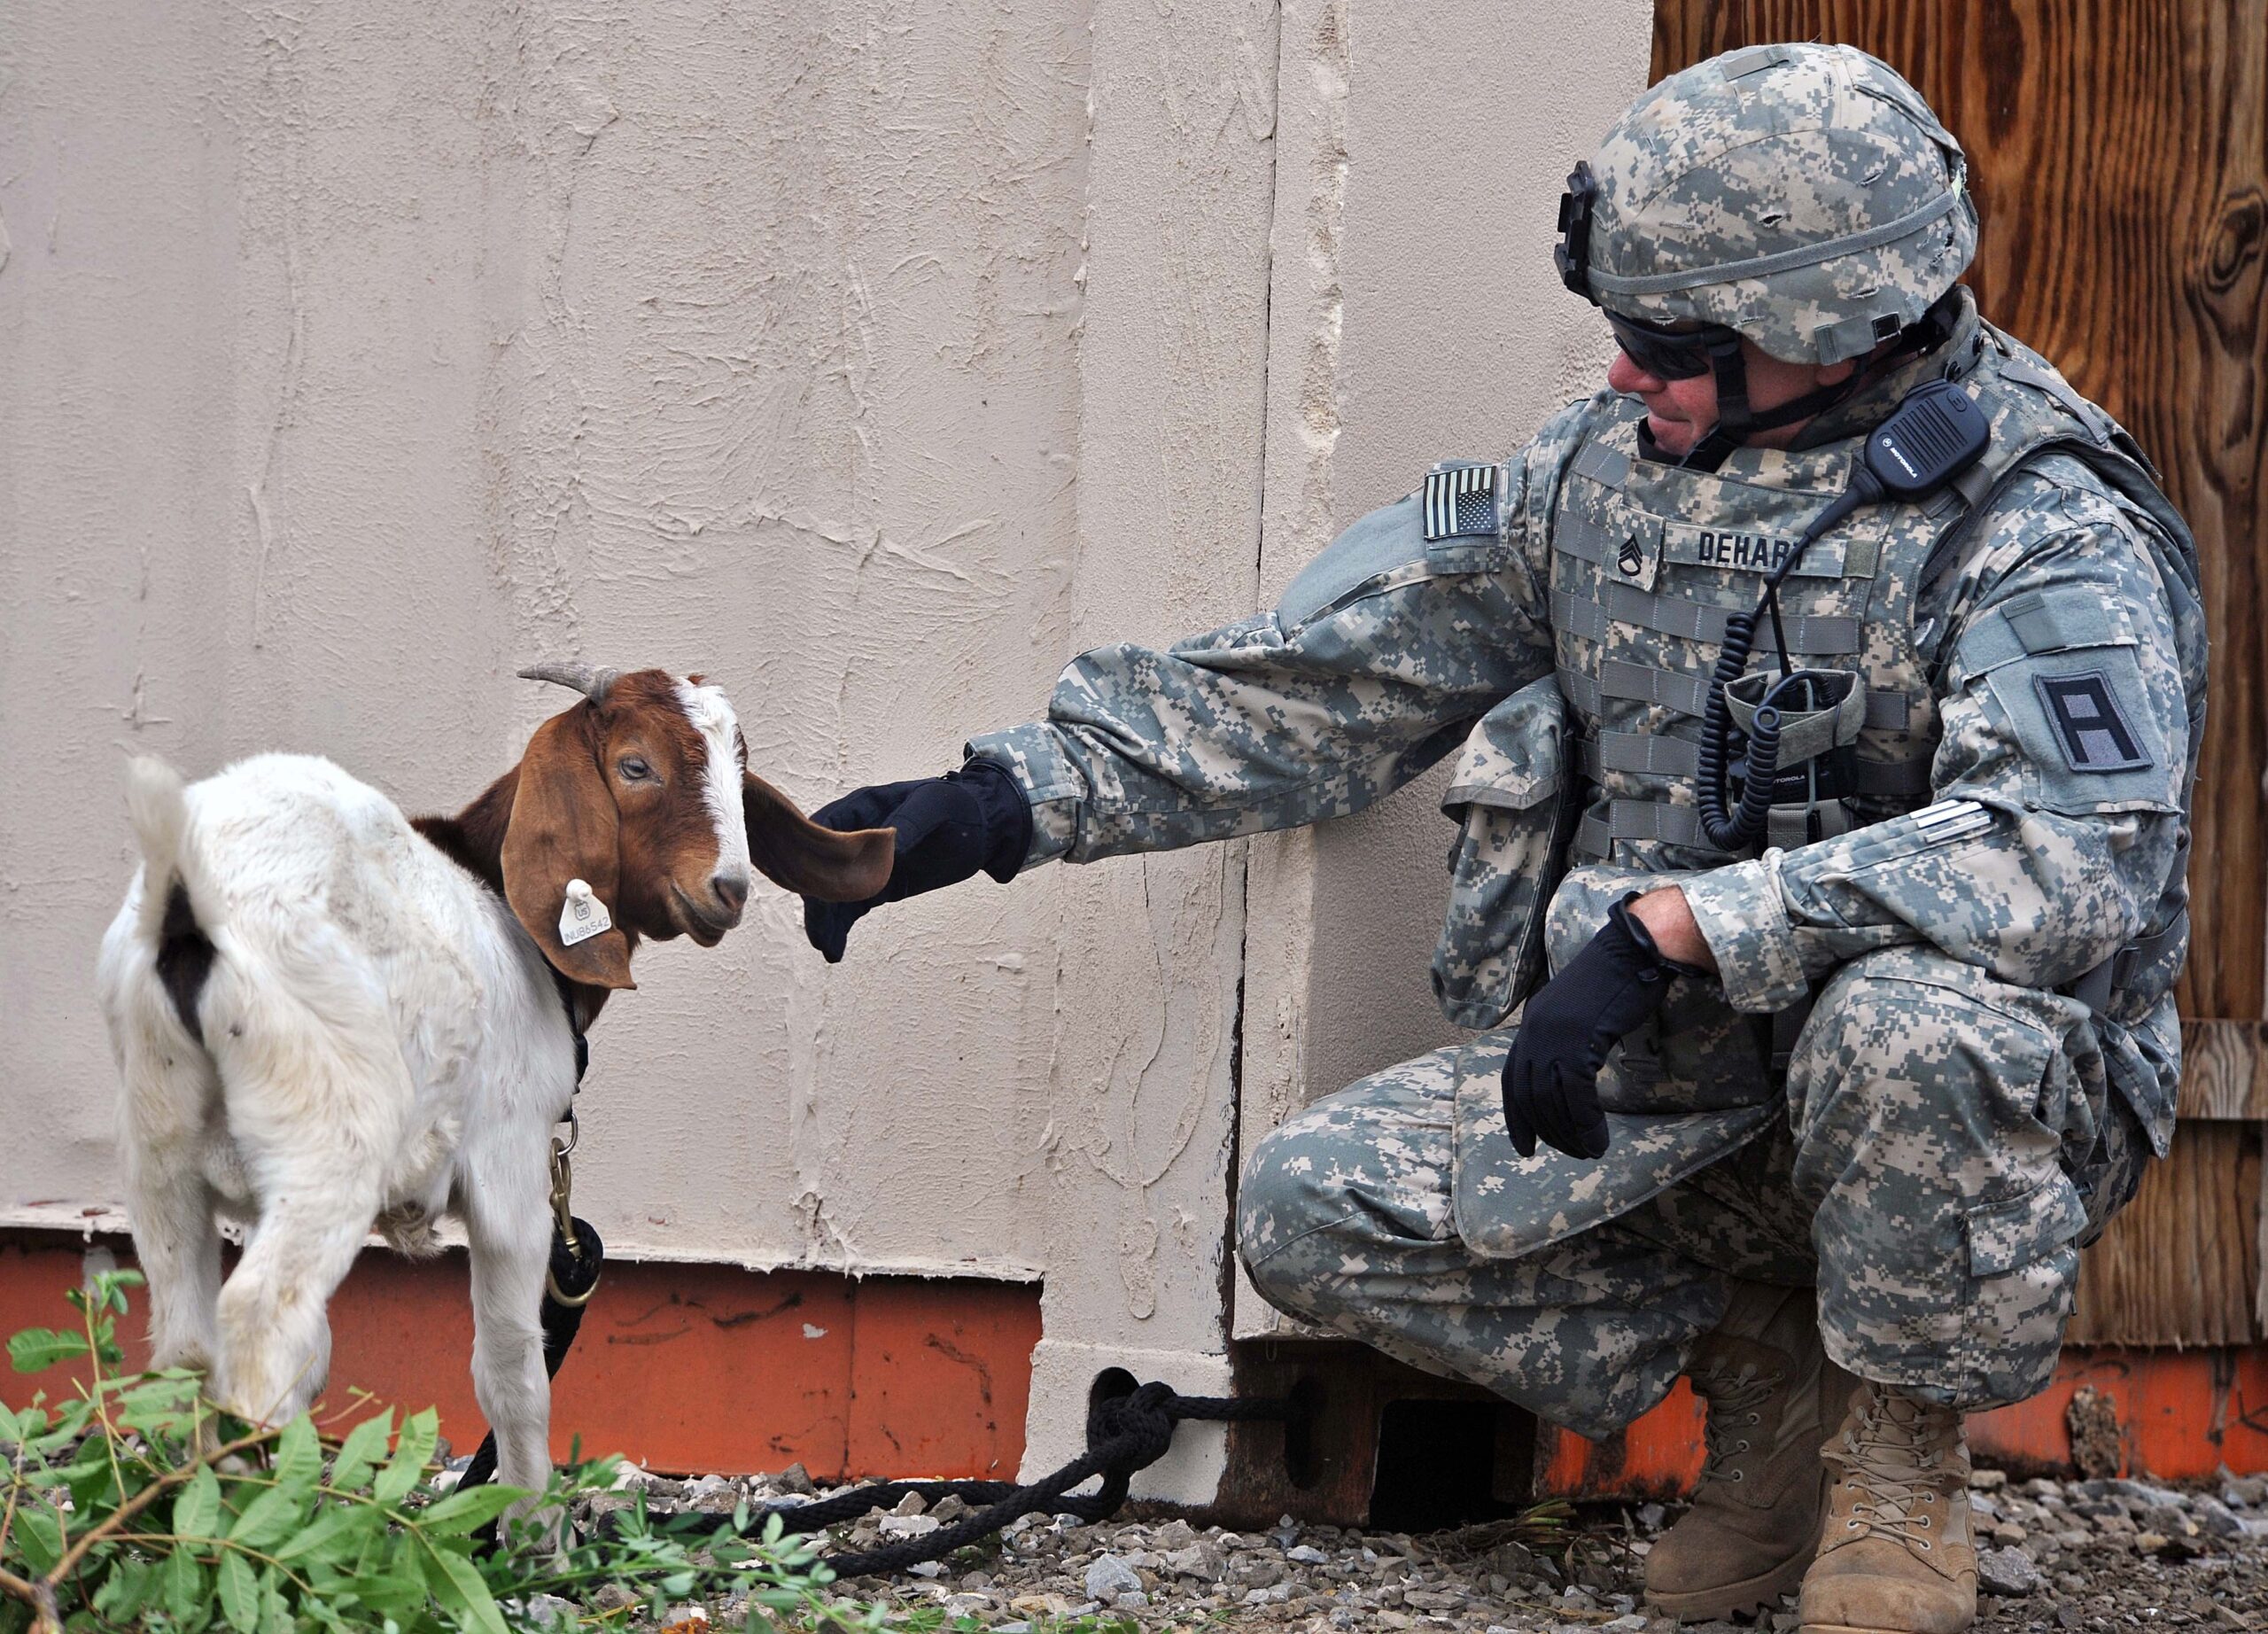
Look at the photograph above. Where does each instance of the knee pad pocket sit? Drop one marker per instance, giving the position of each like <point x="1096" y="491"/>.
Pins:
<point x="2023" y="1270"/>
<point x="1970" y="1310"/>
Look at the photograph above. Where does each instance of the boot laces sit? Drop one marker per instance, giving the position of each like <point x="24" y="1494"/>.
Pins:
<point x="1895" y="1462"/>
<point x="1735" y="1399"/>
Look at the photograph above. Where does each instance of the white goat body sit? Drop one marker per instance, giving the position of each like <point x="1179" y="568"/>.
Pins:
<point x="391" y="1045"/>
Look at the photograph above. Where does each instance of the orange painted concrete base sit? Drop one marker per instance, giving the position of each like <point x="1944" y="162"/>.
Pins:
<point x="2186" y="1415"/>
<point x="703" y="1368"/>
<point x="678" y="1367"/>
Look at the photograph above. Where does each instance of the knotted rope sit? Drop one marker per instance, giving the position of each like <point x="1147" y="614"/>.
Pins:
<point x="1124" y="1434"/>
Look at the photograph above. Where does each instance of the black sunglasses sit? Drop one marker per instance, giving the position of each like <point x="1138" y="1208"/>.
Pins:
<point x="1670" y="354"/>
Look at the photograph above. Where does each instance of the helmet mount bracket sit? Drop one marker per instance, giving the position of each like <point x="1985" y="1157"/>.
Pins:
<point x="1572" y="253"/>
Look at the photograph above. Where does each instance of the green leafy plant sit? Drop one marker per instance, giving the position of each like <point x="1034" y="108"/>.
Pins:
<point x="134" y="1504"/>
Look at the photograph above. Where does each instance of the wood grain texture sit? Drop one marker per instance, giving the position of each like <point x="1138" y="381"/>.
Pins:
<point x="2119" y="155"/>
<point x="2180" y="1263"/>
<point x="2224" y="1070"/>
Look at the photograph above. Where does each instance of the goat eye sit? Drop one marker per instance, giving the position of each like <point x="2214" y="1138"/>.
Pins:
<point x="635" y="770"/>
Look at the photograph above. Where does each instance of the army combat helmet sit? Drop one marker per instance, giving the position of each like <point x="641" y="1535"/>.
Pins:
<point x="1803" y="196"/>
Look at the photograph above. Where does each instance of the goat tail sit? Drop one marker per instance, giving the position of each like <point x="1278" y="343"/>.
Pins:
<point x="156" y="800"/>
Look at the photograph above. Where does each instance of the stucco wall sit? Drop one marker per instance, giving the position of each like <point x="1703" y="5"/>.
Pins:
<point x="872" y="358"/>
<point x="356" y="355"/>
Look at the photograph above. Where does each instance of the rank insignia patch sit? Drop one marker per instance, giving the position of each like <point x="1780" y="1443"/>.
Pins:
<point x="1460" y="501"/>
<point x="2089" y="726"/>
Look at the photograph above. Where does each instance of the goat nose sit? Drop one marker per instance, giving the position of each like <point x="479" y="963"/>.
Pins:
<point x="731" y="889"/>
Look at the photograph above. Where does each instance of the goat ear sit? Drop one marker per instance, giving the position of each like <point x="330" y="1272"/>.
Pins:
<point x="790" y="850"/>
<point x="563" y="827"/>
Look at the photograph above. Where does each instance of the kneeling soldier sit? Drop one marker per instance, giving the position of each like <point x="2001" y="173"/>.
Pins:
<point x="1834" y="770"/>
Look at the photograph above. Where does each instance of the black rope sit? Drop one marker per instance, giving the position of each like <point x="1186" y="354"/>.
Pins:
<point x="1124" y="1434"/>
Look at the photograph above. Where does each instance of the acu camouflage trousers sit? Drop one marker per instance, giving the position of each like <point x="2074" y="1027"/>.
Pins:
<point x="1948" y="1145"/>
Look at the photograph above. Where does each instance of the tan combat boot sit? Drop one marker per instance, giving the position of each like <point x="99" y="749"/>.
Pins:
<point x="1897" y="1556"/>
<point x="1771" y="1394"/>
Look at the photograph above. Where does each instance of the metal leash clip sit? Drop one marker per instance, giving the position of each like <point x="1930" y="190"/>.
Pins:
<point x="563" y="1197"/>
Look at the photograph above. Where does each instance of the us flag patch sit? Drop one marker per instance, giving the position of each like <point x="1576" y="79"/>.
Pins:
<point x="1460" y="501"/>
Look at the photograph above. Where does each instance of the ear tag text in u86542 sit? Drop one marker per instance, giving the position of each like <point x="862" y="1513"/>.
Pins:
<point x="583" y="917"/>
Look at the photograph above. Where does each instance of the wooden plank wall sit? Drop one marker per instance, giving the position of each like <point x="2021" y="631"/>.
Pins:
<point x="2181" y="1264"/>
<point x="2120" y="153"/>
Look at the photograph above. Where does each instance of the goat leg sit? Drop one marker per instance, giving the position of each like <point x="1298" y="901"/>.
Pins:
<point x="508" y="1231"/>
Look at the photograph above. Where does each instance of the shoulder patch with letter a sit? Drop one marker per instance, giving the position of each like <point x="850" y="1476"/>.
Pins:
<point x="2089" y="726"/>
<point x="1459" y="500"/>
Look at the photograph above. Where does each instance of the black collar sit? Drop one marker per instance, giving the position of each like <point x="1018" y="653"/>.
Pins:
<point x="566" y="990"/>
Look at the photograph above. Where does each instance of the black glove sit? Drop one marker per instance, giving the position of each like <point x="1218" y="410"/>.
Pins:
<point x="948" y="827"/>
<point x="1551" y="1075"/>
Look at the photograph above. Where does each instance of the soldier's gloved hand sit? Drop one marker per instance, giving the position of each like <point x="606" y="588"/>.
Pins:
<point x="948" y="827"/>
<point x="1551" y="1077"/>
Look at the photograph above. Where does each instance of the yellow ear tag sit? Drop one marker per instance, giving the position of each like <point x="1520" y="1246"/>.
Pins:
<point x="584" y="917"/>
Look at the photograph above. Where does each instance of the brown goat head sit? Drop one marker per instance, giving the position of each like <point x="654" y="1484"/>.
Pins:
<point x="641" y="791"/>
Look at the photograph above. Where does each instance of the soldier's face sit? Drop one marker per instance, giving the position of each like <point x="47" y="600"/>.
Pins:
<point x="1678" y="413"/>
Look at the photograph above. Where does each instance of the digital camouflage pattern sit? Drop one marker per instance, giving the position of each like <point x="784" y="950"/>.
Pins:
<point x="1948" y="1126"/>
<point x="1382" y="654"/>
<point x="1346" y="1218"/>
<point x="1746" y="190"/>
<point x="1361" y="1212"/>
<point x="1941" y="1136"/>
<point x="1514" y="798"/>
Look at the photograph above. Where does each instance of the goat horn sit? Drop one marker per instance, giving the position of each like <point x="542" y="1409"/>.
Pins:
<point x="592" y="683"/>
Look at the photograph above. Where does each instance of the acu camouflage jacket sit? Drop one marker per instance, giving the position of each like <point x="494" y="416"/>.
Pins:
<point x="2031" y="649"/>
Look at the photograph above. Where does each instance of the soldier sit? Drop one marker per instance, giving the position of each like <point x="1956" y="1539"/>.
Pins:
<point x="1841" y="786"/>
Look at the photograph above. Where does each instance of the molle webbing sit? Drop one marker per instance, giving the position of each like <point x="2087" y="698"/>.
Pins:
<point x="1646" y="755"/>
<point x="1641" y="820"/>
<point x="1680" y="825"/>
<point x="1575" y="534"/>
<point x="1830" y="636"/>
<point x="1607" y="466"/>
<point x="1642" y="754"/>
<point x="1688" y="695"/>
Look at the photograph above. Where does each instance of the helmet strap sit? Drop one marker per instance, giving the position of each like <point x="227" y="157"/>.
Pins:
<point x="1737" y="423"/>
<point x="1734" y="420"/>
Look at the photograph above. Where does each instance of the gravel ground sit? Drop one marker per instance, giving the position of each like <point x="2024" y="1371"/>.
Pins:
<point x="2056" y="1555"/>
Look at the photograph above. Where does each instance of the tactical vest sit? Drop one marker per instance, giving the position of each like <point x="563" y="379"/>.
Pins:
<point x="1647" y="563"/>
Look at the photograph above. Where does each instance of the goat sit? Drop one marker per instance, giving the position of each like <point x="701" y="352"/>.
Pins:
<point x="327" y="1014"/>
